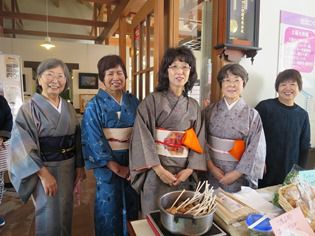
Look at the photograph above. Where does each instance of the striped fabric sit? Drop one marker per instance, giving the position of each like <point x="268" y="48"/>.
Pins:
<point x="4" y="157"/>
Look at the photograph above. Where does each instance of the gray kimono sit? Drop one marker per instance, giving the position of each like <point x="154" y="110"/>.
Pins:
<point x="162" y="110"/>
<point x="37" y="118"/>
<point x="241" y="122"/>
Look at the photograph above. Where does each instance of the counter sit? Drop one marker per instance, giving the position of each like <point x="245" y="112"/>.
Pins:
<point x="142" y="228"/>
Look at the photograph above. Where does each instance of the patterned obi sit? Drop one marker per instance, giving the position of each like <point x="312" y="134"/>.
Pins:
<point x="169" y="143"/>
<point x="118" y="138"/>
<point x="226" y="149"/>
<point x="57" y="148"/>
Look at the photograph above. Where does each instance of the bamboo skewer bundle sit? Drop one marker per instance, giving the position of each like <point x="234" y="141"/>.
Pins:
<point x="201" y="203"/>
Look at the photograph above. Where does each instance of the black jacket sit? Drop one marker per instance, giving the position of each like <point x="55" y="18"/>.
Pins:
<point x="5" y="119"/>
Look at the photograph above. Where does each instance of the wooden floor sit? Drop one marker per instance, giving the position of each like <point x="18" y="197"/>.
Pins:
<point x="20" y="217"/>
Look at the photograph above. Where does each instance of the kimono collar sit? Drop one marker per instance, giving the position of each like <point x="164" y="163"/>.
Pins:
<point x="230" y="106"/>
<point x="44" y="102"/>
<point x="171" y="94"/>
<point x="103" y="94"/>
<point x="239" y="103"/>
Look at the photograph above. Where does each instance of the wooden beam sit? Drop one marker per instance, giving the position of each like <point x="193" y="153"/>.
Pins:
<point x="56" y="3"/>
<point x="113" y="21"/>
<point x="145" y="10"/>
<point x="115" y="42"/>
<point x="115" y="2"/>
<point x="51" y="34"/>
<point x="56" y="19"/>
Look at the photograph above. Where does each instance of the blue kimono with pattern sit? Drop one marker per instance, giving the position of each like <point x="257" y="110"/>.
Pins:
<point x="102" y="112"/>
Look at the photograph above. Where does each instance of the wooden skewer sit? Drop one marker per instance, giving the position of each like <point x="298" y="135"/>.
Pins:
<point x="199" y="210"/>
<point x="197" y="188"/>
<point x="178" y="198"/>
<point x="182" y="204"/>
<point x="191" y="209"/>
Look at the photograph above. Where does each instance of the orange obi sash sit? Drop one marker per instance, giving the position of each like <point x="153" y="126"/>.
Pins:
<point x="224" y="149"/>
<point x="118" y="138"/>
<point x="176" y="143"/>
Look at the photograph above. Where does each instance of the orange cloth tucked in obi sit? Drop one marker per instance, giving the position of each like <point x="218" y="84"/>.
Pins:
<point x="191" y="141"/>
<point x="177" y="140"/>
<point x="238" y="149"/>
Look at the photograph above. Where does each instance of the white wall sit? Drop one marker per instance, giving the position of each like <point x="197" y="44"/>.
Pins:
<point x="86" y="55"/>
<point x="263" y="72"/>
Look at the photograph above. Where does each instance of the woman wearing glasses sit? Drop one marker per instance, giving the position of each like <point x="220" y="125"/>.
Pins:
<point x="46" y="159"/>
<point x="236" y="145"/>
<point x="160" y="161"/>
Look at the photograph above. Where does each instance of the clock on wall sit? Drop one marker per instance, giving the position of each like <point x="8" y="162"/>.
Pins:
<point x="238" y="26"/>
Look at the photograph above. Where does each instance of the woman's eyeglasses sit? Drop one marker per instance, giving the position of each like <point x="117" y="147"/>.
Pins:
<point x="184" y="68"/>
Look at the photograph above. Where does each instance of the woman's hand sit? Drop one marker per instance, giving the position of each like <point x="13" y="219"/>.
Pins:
<point x="166" y="176"/>
<point x="121" y="171"/>
<point x="79" y="175"/>
<point x="182" y="176"/>
<point x="230" y="177"/>
<point x="215" y="171"/>
<point x="48" y="181"/>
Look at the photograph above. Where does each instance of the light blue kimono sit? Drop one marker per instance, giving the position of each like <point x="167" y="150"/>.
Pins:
<point x="102" y="112"/>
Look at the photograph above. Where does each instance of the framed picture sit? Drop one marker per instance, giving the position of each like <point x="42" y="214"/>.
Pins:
<point x="88" y="81"/>
<point x="83" y="100"/>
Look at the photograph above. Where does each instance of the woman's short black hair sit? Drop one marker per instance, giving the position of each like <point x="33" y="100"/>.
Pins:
<point x="182" y="54"/>
<point x="235" y="69"/>
<point x="289" y="74"/>
<point x="109" y="62"/>
<point x="48" y="64"/>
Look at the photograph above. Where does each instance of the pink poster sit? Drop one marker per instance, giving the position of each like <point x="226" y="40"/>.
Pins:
<point x="298" y="46"/>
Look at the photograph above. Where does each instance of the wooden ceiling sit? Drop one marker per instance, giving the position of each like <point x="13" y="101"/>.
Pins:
<point x="102" y="25"/>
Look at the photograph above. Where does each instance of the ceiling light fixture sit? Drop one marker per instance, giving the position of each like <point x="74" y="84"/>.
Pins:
<point x="47" y="44"/>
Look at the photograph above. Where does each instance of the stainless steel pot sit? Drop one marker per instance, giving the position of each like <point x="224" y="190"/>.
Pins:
<point x="183" y="224"/>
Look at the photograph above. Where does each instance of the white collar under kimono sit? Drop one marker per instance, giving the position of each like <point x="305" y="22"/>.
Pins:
<point x="230" y="106"/>
<point x="59" y="106"/>
<point x="119" y="102"/>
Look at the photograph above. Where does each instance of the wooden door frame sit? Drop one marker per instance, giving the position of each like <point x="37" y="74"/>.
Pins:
<point x="157" y="8"/>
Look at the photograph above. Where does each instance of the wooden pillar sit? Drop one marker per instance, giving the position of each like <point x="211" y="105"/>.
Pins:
<point x="158" y="35"/>
<point x="13" y="19"/>
<point x="173" y="24"/>
<point x="1" y="19"/>
<point x="218" y="32"/>
<point x="122" y="38"/>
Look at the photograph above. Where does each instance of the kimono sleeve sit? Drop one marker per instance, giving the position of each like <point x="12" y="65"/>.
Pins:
<point x="197" y="161"/>
<point x="24" y="161"/>
<point x="252" y="162"/>
<point x="79" y="162"/>
<point x="95" y="147"/>
<point x="142" y="152"/>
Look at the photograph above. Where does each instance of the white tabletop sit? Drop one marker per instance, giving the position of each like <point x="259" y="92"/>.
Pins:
<point x="142" y="228"/>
